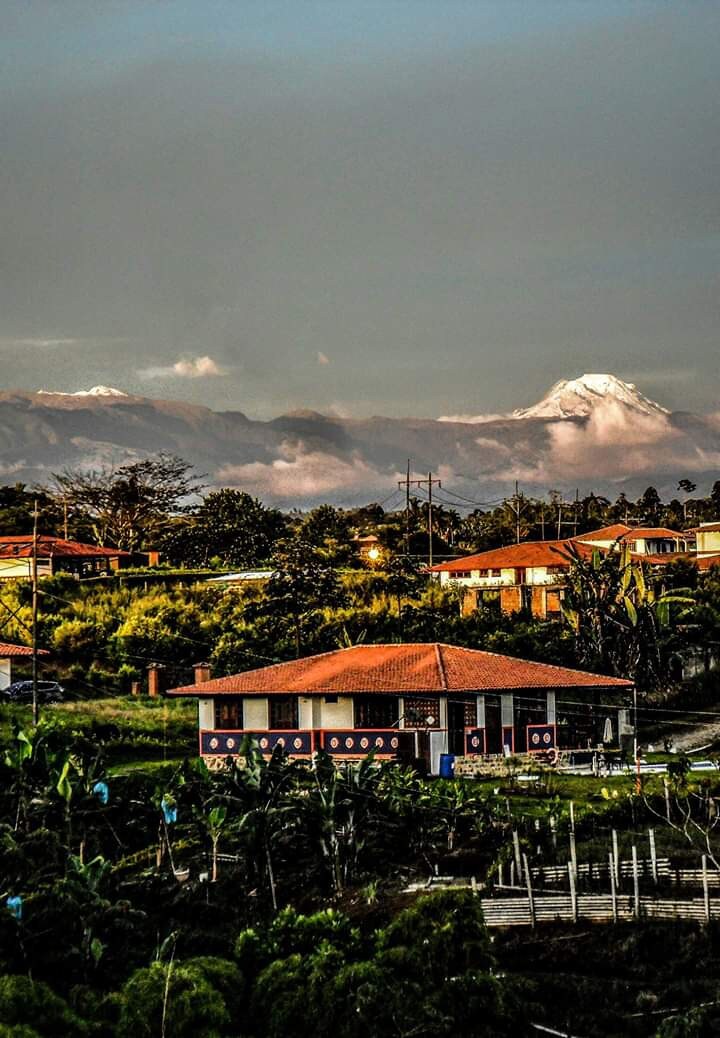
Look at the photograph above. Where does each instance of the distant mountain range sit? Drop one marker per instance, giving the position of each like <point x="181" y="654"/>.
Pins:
<point x="593" y="432"/>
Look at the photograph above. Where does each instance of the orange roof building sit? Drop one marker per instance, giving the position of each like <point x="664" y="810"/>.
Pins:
<point x="414" y="701"/>
<point x="55" y="554"/>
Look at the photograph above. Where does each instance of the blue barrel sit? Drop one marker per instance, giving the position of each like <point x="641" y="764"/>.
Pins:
<point x="447" y="765"/>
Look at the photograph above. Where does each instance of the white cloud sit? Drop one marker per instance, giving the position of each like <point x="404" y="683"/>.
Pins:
<point x="322" y="358"/>
<point x="471" y="419"/>
<point x="299" y="472"/>
<point x="186" y="367"/>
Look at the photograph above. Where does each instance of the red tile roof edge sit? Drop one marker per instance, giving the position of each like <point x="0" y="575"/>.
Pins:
<point x="290" y="673"/>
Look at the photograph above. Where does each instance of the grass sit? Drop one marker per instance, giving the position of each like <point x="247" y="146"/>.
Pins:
<point x="133" y="730"/>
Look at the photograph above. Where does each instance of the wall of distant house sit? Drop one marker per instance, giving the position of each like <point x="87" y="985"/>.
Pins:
<point x="21" y="569"/>
<point x="708" y="542"/>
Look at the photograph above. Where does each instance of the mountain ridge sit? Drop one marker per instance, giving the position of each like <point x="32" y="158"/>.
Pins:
<point x="594" y="432"/>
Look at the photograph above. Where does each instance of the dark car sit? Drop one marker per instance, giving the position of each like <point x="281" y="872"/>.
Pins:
<point x="22" y="692"/>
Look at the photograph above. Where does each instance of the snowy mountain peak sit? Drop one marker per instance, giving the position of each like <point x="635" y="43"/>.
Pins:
<point x="578" y="398"/>
<point x="95" y="391"/>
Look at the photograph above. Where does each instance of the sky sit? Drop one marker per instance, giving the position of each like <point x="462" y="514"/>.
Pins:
<point x="401" y="208"/>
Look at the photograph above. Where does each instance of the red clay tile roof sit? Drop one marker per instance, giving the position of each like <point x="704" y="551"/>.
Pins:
<point x="605" y="533"/>
<point x="8" y="650"/>
<point x="662" y="558"/>
<point x="19" y="547"/>
<point x="705" y="528"/>
<point x="527" y="553"/>
<point x="434" y="668"/>
<point x="707" y="561"/>
<point x="653" y="533"/>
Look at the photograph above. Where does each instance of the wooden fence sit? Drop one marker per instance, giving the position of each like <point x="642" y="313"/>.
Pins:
<point x="544" y="908"/>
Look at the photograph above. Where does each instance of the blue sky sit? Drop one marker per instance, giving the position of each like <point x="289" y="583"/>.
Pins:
<point x="399" y="208"/>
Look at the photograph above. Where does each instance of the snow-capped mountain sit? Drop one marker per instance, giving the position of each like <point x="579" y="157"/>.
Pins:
<point x="579" y="397"/>
<point x="595" y="432"/>
<point x="95" y="391"/>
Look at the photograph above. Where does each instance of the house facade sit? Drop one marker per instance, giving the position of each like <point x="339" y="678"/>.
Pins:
<point x="57" y="555"/>
<point x="409" y="703"/>
<point x="531" y="575"/>
<point x="708" y="540"/>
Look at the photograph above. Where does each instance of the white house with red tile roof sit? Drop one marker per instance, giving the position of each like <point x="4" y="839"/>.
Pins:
<point x="407" y="701"/>
<point x="531" y="575"/>
<point x="9" y="652"/>
<point x="56" y="555"/>
<point x="526" y="575"/>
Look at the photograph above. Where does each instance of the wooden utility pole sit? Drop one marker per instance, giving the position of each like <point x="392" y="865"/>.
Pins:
<point x="34" y="625"/>
<point x="429" y="483"/>
<point x="516" y="508"/>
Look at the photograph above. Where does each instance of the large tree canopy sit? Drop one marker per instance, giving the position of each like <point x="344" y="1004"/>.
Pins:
<point x="128" y="507"/>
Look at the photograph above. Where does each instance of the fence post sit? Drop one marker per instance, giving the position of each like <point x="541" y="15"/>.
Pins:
<point x="553" y="830"/>
<point x="573" y="853"/>
<point x="528" y="884"/>
<point x="500" y="875"/>
<point x="667" y="797"/>
<point x="616" y="857"/>
<point x="512" y="873"/>
<point x="573" y="892"/>
<point x="653" y="856"/>
<point x="516" y="848"/>
<point x="636" y="883"/>
<point x="706" y="888"/>
<point x="613" y="891"/>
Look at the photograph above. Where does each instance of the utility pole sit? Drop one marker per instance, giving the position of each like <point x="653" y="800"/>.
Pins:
<point x="575" y="514"/>
<point x="406" y="483"/>
<point x="542" y="520"/>
<point x="516" y="508"/>
<point x="65" y="517"/>
<point x="34" y="575"/>
<point x="430" y="483"/>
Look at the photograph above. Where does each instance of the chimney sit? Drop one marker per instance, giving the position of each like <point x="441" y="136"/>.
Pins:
<point x="202" y="672"/>
<point x="153" y="674"/>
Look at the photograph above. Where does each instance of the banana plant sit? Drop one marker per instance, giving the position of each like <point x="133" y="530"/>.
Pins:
<point x="617" y="614"/>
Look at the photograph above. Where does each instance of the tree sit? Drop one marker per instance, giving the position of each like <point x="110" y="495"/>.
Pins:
<point x="650" y="507"/>
<point x="128" y="507"/>
<point x="301" y="586"/>
<point x="403" y="579"/>
<point x="616" y="615"/>
<point x="196" y="998"/>
<point x="230" y="526"/>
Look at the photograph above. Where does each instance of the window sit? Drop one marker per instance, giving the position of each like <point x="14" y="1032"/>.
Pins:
<point x="283" y="713"/>
<point x="483" y="572"/>
<point x="228" y="713"/>
<point x="495" y="572"/>
<point x="555" y="571"/>
<point x="331" y="699"/>
<point x="376" y="711"/>
<point x="461" y="574"/>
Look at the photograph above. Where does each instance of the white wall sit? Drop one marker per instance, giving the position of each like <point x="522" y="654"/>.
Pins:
<point x="256" y="715"/>
<point x="206" y="714"/>
<point x="337" y="715"/>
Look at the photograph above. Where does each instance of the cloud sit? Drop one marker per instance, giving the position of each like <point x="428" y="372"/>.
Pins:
<point x="302" y="473"/>
<point x="322" y="358"/>
<point x="192" y="367"/>
<point x="471" y="419"/>
<point x="612" y="445"/>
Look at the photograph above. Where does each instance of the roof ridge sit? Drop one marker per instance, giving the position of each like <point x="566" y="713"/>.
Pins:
<point x="441" y="665"/>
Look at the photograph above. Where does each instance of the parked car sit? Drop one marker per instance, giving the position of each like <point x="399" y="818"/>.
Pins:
<point x="22" y="692"/>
